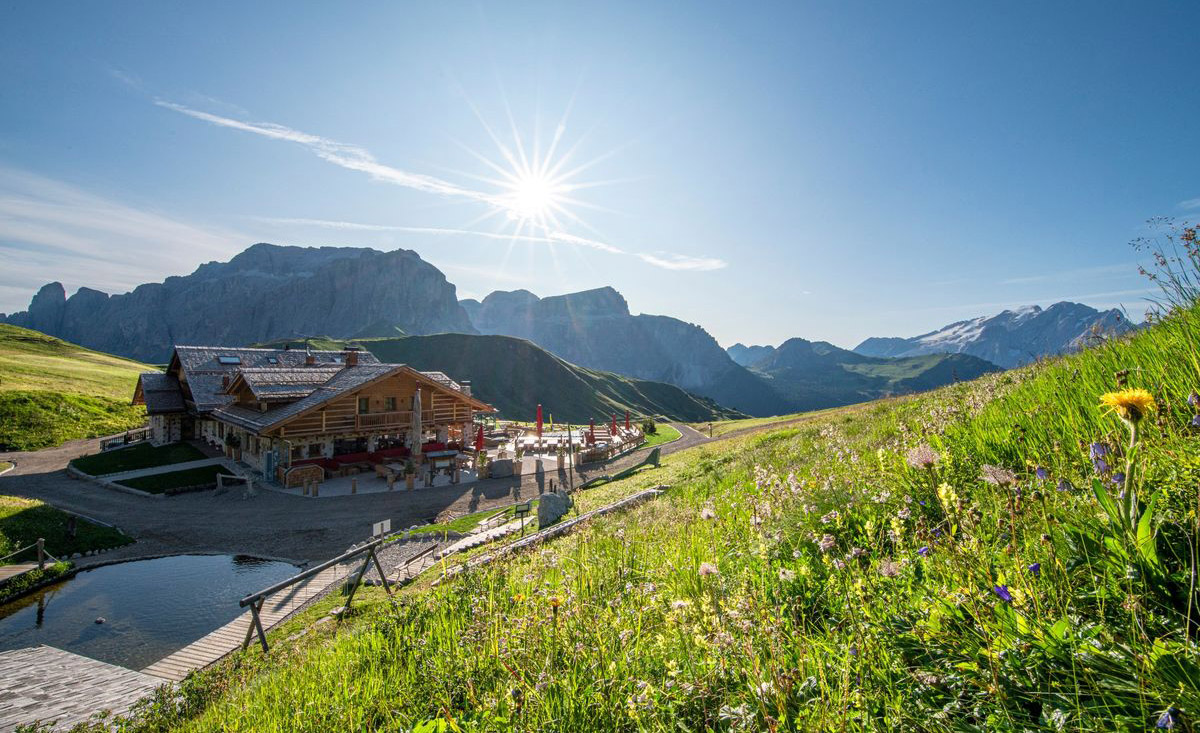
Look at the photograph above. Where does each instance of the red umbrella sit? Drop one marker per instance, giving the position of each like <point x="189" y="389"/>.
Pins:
<point x="592" y="432"/>
<point x="539" y="421"/>
<point x="479" y="439"/>
<point x="627" y="419"/>
<point x="614" y="425"/>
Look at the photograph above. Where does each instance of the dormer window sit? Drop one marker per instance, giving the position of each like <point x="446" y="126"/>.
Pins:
<point x="229" y="360"/>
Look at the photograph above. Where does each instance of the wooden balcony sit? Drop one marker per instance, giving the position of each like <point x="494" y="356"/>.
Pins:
<point x="376" y="420"/>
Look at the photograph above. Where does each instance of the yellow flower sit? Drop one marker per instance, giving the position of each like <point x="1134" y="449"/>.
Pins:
<point x="1130" y="405"/>
<point x="555" y="601"/>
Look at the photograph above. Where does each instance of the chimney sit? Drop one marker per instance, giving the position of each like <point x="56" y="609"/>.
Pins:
<point x="351" y="357"/>
<point x="309" y="360"/>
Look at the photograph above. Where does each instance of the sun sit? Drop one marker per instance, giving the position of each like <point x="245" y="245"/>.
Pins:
<point x="532" y="197"/>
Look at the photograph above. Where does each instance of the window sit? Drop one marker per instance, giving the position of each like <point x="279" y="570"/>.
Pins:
<point x="315" y="450"/>
<point x="389" y="404"/>
<point x="229" y="360"/>
<point x="272" y="359"/>
<point x="297" y="452"/>
<point x="364" y="405"/>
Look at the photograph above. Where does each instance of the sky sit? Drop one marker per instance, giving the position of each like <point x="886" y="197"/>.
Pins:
<point x="831" y="170"/>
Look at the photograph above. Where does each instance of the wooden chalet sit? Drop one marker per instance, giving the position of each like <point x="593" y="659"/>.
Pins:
<point x="285" y="407"/>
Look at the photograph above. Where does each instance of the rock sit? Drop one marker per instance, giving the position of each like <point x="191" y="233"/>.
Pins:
<point x="552" y="506"/>
<point x="343" y="292"/>
<point x="100" y="620"/>
<point x="595" y="329"/>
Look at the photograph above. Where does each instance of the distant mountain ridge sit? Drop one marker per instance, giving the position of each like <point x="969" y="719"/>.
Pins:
<point x="815" y="374"/>
<point x="265" y="292"/>
<point x="595" y="329"/>
<point x="748" y="355"/>
<point x="1011" y="338"/>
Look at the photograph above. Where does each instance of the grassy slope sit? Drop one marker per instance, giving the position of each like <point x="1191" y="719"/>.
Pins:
<point x="142" y="455"/>
<point x="162" y="482"/>
<point x="23" y="521"/>
<point x="664" y="434"/>
<point x="52" y="391"/>
<point x="515" y="375"/>
<point x="920" y="612"/>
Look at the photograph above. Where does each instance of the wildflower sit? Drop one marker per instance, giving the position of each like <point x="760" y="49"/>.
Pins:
<point x="708" y="513"/>
<point x="1002" y="591"/>
<point x="904" y="513"/>
<point x="1194" y="399"/>
<point x="839" y="565"/>
<point x="707" y="568"/>
<point x="786" y="574"/>
<point x="827" y="543"/>
<point x="830" y="517"/>
<point x="1041" y="473"/>
<point x="1118" y="478"/>
<point x="1036" y="568"/>
<point x="998" y="476"/>
<point x="855" y="553"/>
<point x="555" y="602"/>
<point x="1196" y="421"/>
<point x="1167" y="719"/>
<point x="1131" y="405"/>
<point x="1065" y="485"/>
<point x="923" y="552"/>
<point x="923" y="457"/>
<point x="1100" y="465"/>
<point x="1098" y="450"/>
<point x="889" y="568"/>
<point x="518" y="598"/>
<point x="947" y="496"/>
<point x="926" y="678"/>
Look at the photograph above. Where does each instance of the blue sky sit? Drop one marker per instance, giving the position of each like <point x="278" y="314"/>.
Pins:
<point x="827" y="170"/>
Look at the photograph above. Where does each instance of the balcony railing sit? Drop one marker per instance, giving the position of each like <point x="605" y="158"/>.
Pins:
<point x="400" y="418"/>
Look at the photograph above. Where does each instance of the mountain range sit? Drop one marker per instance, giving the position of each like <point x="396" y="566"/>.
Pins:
<point x="1011" y="338"/>
<point x="265" y="292"/>
<point x="595" y="329"/>
<point x="270" y="292"/>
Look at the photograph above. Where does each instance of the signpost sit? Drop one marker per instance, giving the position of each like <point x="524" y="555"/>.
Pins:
<point x="379" y="529"/>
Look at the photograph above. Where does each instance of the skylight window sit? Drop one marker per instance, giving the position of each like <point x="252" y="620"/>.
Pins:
<point x="229" y="360"/>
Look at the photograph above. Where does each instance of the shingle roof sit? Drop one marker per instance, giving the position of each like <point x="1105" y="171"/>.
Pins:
<point x="205" y="367"/>
<point x="286" y="383"/>
<point x="160" y="393"/>
<point x="343" y="381"/>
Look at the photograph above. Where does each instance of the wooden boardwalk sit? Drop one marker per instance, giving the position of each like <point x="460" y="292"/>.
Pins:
<point x="48" y="684"/>
<point x="12" y="571"/>
<point x="228" y="638"/>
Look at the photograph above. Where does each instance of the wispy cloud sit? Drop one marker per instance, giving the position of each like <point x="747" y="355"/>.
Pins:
<point x="351" y="157"/>
<point x="1190" y="204"/>
<point x="357" y="158"/>
<point x="50" y="230"/>
<point x="672" y="261"/>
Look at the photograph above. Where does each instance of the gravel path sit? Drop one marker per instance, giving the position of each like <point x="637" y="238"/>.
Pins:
<point x="267" y="524"/>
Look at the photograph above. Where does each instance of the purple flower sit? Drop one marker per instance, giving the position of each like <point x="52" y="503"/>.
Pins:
<point x="923" y="552"/>
<point x="1118" y="478"/>
<point x="1194" y="399"/>
<point x="1042" y="474"/>
<point x="1196" y="421"/>
<point x="1100" y="465"/>
<point x="1065" y="485"/>
<point x="1098" y="450"/>
<point x="1036" y="568"/>
<point x="1167" y="719"/>
<point x="1002" y="591"/>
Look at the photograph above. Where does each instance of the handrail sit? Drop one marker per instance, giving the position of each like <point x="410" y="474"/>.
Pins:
<point x="18" y="552"/>
<point x="419" y="556"/>
<point x="306" y="574"/>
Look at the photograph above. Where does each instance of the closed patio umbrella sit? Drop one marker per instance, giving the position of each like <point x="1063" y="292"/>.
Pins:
<point x="415" y="438"/>
<point x="614" y="426"/>
<point x="592" y="431"/>
<point x="479" y="439"/>
<point x="539" y="422"/>
<point x="627" y="419"/>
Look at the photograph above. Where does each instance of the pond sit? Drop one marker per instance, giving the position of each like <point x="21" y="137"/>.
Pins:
<point x="150" y="608"/>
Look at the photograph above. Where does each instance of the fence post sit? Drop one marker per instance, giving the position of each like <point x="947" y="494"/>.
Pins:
<point x="41" y="545"/>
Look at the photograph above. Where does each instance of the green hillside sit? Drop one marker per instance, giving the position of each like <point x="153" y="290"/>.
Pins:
<point x="1004" y="554"/>
<point x="514" y="375"/>
<point x="53" y="391"/>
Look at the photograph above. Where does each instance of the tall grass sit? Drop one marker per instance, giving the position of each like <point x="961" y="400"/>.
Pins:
<point x="954" y="561"/>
